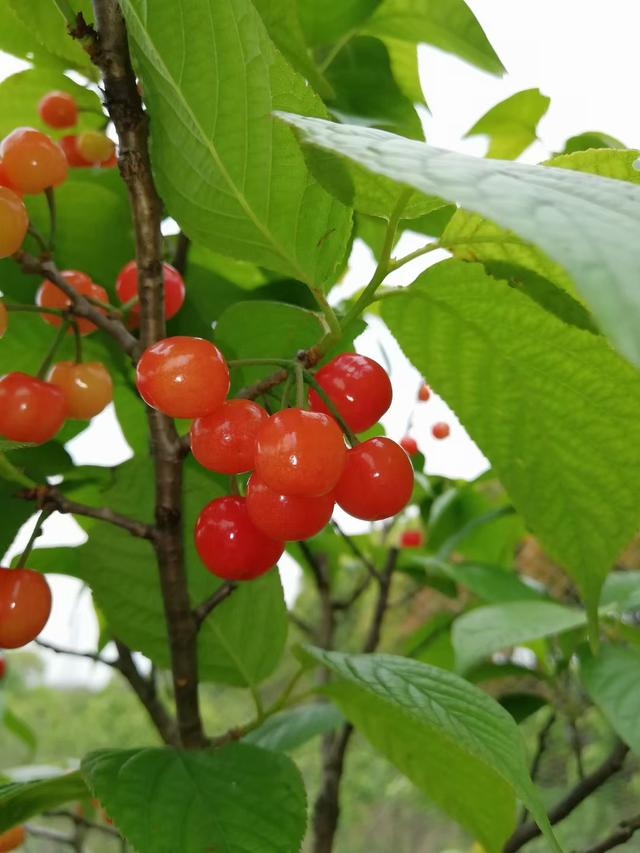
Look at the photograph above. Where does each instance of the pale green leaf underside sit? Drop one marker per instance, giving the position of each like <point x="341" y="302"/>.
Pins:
<point x="612" y="680"/>
<point x="511" y="125"/>
<point x="587" y="224"/>
<point x="234" y="179"/>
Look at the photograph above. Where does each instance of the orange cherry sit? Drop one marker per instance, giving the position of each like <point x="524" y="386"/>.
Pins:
<point x="12" y="838"/>
<point x="58" y="109"/>
<point x="32" y="161"/>
<point x="69" y="145"/>
<point x="87" y="387"/>
<point x="14" y="222"/>
<point x="50" y="296"/>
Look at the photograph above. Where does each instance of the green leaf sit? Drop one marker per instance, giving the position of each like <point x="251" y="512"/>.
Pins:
<point x="21" y="800"/>
<point x="590" y="139"/>
<point x="20" y="730"/>
<point x="486" y="630"/>
<point x="451" y="739"/>
<point x="17" y="40"/>
<point x="232" y="800"/>
<point x="491" y="583"/>
<point x="447" y="24"/>
<point x="324" y="23"/>
<point x="290" y="729"/>
<point x="612" y="680"/>
<point x="234" y="179"/>
<point x="588" y="224"/>
<point x="403" y="57"/>
<point x="622" y="589"/>
<point x="512" y="124"/>
<point x="551" y="389"/>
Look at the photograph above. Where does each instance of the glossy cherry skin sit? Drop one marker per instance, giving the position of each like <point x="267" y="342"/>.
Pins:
<point x="32" y="161"/>
<point x="358" y="387"/>
<point x="12" y="839"/>
<point x="14" y="222"/>
<point x="69" y="145"/>
<point x="58" y="109"/>
<point x="230" y="545"/>
<point x="183" y="377"/>
<point x="95" y="147"/>
<point x="127" y="288"/>
<point x="30" y="410"/>
<point x="25" y="606"/>
<point x="4" y="319"/>
<point x="424" y="392"/>
<point x="288" y="517"/>
<point x="4" y="178"/>
<point x="377" y="481"/>
<point x="411" y="539"/>
<point x="300" y="453"/>
<point x="87" y="387"/>
<point x="440" y="430"/>
<point x="225" y="440"/>
<point x="50" y="296"/>
<point x="409" y="445"/>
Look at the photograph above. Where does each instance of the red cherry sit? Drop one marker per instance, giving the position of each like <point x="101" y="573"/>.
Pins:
<point x="288" y="517"/>
<point x="30" y="410"/>
<point x="225" y="440"/>
<point x="440" y="430"/>
<point x="32" y="161"/>
<point x="358" y="387"/>
<point x="87" y="387"/>
<point x="4" y="319"/>
<point x="3" y="667"/>
<point x="424" y="392"/>
<point x="50" y="296"/>
<point x="411" y="539"/>
<point x="230" y="545"/>
<point x="377" y="481"/>
<point x="58" y="109"/>
<point x="25" y="605"/>
<point x="127" y="288"/>
<point x="14" y="222"/>
<point x="4" y="179"/>
<point x="69" y="145"/>
<point x="12" y="838"/>
<point x="300" y="453"/>
<point x="409" y="445"/>
<point x="183" y="377"/>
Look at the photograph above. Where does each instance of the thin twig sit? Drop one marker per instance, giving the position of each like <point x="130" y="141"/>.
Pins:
<point x="541" y="746"/>
<point x="79" y="820"/>
<point x="357" y="551"/>
<point x="206" y="607"/>
<point x="625" y="830"/>
<point x="60" y="650"/>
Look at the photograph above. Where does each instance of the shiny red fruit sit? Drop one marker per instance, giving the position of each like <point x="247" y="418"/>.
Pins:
<point x="58" y="109"/>
<point x="69" y="145"/>
<point x="411" y="539"/>
<point x="32" y="161"/>
<point x="230" y="545"/>
<point x="183" y="377"/>
<point x="12" y="839"/>
<point x="409" y="445"/>
<point x="225" y="440"/>
<point x="440" y="430"/>
<point x="25" y="605"/>
<point x="87" y="387"/>
<point x="377" y="481"/>
<point x="300" y="453"/>
<point x="358" y="387"/>
<point x="30" y="410"/>
<point x="4" y="178"/>
<point x="424" y="392"/>
<point x="127" y="288"/>
<point x="14" y="222"/>
<point x="50" y="296"/>
<point x="288" y="517"/>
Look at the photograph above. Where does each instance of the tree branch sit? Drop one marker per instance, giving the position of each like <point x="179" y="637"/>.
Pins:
<point x="541" y="746"/>
<point x="609" y="767"/>
<point x="625" y="830"/>
<point x="79" y="820"/>
<point x="59" y="650"/>
<point x="221" y="594"/>
<point x="357" y="551"/>
<point x="179" y="260"/>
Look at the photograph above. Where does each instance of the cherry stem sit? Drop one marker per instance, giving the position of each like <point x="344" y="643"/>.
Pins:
<point x="36" y="309"/>
<point x="129" y="304"/>
<point x="51" y="204"/>
<point x="258" y="362"/>
<point x="299" y="374"/>
<point x="37" y="531"/>
<point x="55" y="346"/>
<point x="77" y="337"/>
<point x="37" y="236"/>
<point x="286" y="390"/>
<point x="313" y="382"/>
<point x="234" y="485"/>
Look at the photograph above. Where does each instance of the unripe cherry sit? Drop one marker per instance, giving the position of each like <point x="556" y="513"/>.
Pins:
<point x="409" y="445"/>
<point x="95" y="147"/>
<point x="14" y="222"/>
<point x="69" y="146"/>
<point x="25" y="606"/>
<point x="87" y="387"/>
<point x="12" y="838"/>
<point x="58" y="109"/>
<point x="377" y="481"/>
<point x="50" y="296"/>
<point x="32" y="161"/>
<point x="225" y="440"/>
<point x="174" y="291"/>
<point x="287" y="517"/>
<point x="440" y="430"/>
<point x="30" y="410"/>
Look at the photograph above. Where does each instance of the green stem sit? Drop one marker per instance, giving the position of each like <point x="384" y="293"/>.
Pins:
<point x="257" y="701"/>
<point x="330" y="317"/>
<point x="311" y="380"/>
<point x="37" y="236"/>
<point x="53" y="349"/>
<point x="51" y="204"/>
<point x="286" y="390"/>
<point x="37" y="531"/>
<point x="260" y="362"/>
<point x="36" y="309"/>
<point x="299" y="371"/>
<point x="234" y="485"/>
<point x="423" y="250"/>
<point x="282" y="700"/>
<point x="8" y="471"/>
<point x="335" y="50"/>
<point x="128" y="305"/>
<point x="77" y="337"/>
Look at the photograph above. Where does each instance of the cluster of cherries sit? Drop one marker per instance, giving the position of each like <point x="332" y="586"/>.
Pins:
<point x="300" y="464"/>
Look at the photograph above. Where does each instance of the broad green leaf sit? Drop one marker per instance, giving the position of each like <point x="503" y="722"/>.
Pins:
<point x="512" y="124"/>
<point x="590" y="139"/>
<point x="289" y="729"/>
<point x="17" y="40"/>
<point x="22" y="800"/>
<point x="20" y="730"/>
<point x="622" y="590"/>
<point x="612" y="680"/>
<point x="486" y="630"/>
<point x="491" y="583"/>
<point x="14" y="510"/>
<point x="551" y="389"/>
<point x="232" y="800"/>
<point x="587" y="224"/>
<point x="403" y="56"/>
<point x="324" y="23"/>
<point x="232" y="177"/>
<point x="451" y="739"/>
<point x="447" y="24"/>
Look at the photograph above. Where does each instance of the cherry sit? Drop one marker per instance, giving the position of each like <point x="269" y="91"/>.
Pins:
<point x="32" y="161"/>
<point x="3" y="667"/>
<point x="4" y="319"/>
<point x="95" y="147"/>
<point x="288" y="517"/>
<point x="424" y="392"/>
<point x="58" y="109"/>
<point x="409" y="445"/>
<point x="25" y="605"/>
<point x="12" y="838"/>
<point x="50" y="296"/>
<point x="69" y="145"/>
<point x="377" y="481"/>
<point x="127" y="288"/>
<point x="14" y="222"/>
<point x="225" y="440"/>
<point x="87" y="387"/>
<point x="300" y="453"/>
<point x="183" y="377"/>
<point x="4" y="178"/>
<point x="411" y="539"/>
<point x="358" y="387"/>
<point x="109" y="163"/>
<point x="440" y="430"/>
<point x="230" y="545"/>
<point x="30" y="410"/>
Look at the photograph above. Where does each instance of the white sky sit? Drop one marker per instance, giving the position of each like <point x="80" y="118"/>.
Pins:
<point x="582" y="54"/>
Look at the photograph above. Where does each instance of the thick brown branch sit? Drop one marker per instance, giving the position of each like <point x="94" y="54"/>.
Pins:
<point x="625" y="830"/>
<point x="587" y="786"/>
<point x="221" y="594"/>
